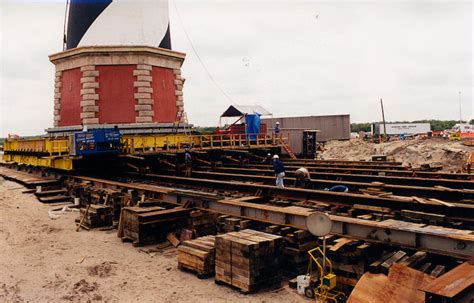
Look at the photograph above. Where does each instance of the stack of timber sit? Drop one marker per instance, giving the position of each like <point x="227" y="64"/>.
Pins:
<point x="202" y="223"/>
<point x="227" y="224"/>
<point x="97" y="216"/>
<point x="295" y="256"/>
<point x="248" y="260"/>
<point x="148" y="225"/>
<point x="198" y="256"/>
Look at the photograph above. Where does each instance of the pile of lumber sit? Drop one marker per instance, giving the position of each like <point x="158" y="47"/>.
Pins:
<point x="148" y="225"/>
<point x="198" y="256"/>
<point x="96" y="216"/>
<point x="227" y="224"/>
<point x="295" y="256"/>
<point x="248" y="260"/>
<point x="202" y="223"/>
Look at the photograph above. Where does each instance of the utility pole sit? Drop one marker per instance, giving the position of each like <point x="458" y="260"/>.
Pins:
<point x="460" y="110"/>
<point x="383" y="119"/>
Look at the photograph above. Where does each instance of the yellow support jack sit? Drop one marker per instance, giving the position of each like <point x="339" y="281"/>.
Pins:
<point x="324" y="292"/>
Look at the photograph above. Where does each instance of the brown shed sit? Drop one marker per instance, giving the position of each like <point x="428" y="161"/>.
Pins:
<point x="331" y="127"/>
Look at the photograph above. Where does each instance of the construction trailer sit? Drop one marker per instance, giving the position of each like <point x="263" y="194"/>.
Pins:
<point x="331" y="127"/>
<point x="399" y="129"/>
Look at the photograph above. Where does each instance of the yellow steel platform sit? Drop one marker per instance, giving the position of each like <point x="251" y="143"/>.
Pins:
<point x="55" y="153"/>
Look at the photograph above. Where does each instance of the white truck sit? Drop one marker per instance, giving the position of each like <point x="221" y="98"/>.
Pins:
<point x="398" y="129"/>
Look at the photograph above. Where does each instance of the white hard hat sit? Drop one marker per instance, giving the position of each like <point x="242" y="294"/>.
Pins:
<point x="275" y="157"/>
<point x="269" y="154"/>
<point x="277" y="122"/>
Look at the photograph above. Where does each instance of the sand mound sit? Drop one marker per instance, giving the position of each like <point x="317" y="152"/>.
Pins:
<point x="435" y="152"/>
<point x="103" y="270"/>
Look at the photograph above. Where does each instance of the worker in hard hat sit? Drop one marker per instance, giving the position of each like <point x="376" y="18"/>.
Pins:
<point x="279" y="169"/>
<point x="302" y="178"/>
<point x="277" y="128"/>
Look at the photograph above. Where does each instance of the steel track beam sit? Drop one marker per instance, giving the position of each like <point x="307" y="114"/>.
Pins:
<point x="412" y="181"/>
<point x="444" y="194"/>
<point x="456" y="211"/>
<point x="446" y="241"/>
<point x="370" y="171"/>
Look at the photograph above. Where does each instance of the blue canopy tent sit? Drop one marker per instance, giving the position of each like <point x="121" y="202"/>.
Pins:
<point x="248" y="115"/>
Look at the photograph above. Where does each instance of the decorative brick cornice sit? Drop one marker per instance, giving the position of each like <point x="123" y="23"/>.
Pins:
<point x="89" y="96"/>
<point x="178" y="83"/>
<point x="57" y="98"/>
<point x="143" y="90"/>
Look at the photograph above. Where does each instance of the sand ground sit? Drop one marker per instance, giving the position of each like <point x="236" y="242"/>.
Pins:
<point x="46" y="260"/>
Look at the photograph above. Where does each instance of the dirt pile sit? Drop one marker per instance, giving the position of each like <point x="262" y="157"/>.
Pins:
<point x="435" y="152"/>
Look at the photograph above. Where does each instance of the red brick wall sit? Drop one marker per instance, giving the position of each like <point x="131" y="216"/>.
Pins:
<point x="116" y="94"/>
<point x="163" y="94"/>
<point x="70" y="110"/>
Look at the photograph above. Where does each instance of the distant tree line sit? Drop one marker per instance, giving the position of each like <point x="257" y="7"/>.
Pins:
<point x="436" y="125"/>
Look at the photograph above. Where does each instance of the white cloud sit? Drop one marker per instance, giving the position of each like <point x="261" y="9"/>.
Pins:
<point x="293" y="58"/>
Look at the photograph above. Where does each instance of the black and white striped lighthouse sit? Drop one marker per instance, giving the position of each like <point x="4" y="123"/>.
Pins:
<point x="118" y="22"/>
<point x="117" y="66"/>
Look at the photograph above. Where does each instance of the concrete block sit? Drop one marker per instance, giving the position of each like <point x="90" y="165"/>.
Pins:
<point x="179" y="87"/>
<point x="179" y="103"/>
<point x="57" y="106"/>
<point x="144" y="78"/>
<point x="57" y="101"/>
<point x="87" y="103"/>
<point x="57" y="84"/>
<point x="179" y="98"/>
<point x="141" y="72"/>
<point x="90" y="85"/>
<point x="57" y="95"/>
<point x="177" y="71"/>
<point x="90" y="109"/>
<point x="57" y="79"/>
<point x="142" y="96"/>
<point x="178" y="82"/>
<point x="90" y="121"/>
<point x="142" y="107"/>
<point x="88" y="91"/>
<point x="87" y="68"/>
<point x="58" y="74"/>
<point x="57" y="118"/>
<point x="141" y="84"/>
<point x="144" y="66"/>
<point x="143" y="119"/>
<point x="90" y="97"/>
<point x="145" y="101"/>
<point x="145" y="89"/>
<point x="56" y="123"/>
<point x="178" y="93"/>
<point x="87" y="115"/>
<point x="87" y="79"/>
<point x="146" y="113"/>
<point x="90" y="73"/>
<point x="180" y="78"/>
<point x="57" y="90"/>
<point x="56" y="112"/>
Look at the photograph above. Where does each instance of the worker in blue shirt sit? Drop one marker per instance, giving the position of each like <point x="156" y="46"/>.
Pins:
<point x="188" y="163"/>
<point x="279" y="169"/>
<point x="277" y="128"/>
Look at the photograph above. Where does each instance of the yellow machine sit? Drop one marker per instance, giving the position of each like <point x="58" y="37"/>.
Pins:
<point x="324" y="291"/>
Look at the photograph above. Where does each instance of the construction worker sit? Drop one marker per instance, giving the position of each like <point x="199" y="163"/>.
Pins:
<point x="302" y="178"/>
<point x="338" y="189"/>
<point x="279" y="169"/>
<point x="277" y="128"/>
<point x="188" y="163"/>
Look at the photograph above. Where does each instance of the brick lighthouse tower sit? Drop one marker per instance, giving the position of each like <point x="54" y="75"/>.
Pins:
<point x="117" y="67"/>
